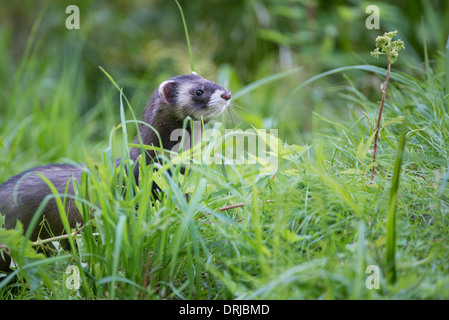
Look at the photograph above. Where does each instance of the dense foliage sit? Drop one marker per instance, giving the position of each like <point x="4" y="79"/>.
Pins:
<point x="306" y="230"/>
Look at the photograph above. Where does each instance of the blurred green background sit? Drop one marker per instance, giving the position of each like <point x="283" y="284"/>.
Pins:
<point x="53" y="96"/>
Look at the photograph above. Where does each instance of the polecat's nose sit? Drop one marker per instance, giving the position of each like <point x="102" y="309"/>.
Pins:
<point x="226" y="95"/>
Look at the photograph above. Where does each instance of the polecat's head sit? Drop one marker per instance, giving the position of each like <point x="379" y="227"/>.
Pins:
<point x="194" y="96"/>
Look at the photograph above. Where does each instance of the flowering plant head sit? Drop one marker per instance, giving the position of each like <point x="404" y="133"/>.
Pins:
<point x="385" y="45"/>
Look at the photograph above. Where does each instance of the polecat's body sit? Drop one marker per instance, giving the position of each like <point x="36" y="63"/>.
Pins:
<point x="174" y="100"/>
<point x="21" y="196"/>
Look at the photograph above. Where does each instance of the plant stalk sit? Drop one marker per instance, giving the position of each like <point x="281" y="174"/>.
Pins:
<point x="376" y="137"/>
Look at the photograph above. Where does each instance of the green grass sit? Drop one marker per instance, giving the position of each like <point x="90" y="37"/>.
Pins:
<point x="306" y="231"/>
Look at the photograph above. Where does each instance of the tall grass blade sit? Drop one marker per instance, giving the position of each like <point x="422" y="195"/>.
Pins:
<point x="402" y="78"/>
<point x="261" y="82"/>
<point x="192" y="66"/>
<point x="447" y="66"/>
<point x="391" y="222"/>
<point x="426" y="58"/>
<point x="25" y="61"/>
<point x="117" y="249"/>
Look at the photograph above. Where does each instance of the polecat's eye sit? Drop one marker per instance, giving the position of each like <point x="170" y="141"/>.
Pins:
<point x="199" y="92"/>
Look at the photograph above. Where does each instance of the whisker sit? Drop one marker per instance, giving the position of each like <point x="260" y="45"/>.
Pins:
<point x="237" y="106"/>
<point x="230" y="111"/>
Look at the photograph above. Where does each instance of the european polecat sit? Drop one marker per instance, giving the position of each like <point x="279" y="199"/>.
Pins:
<point x="172" y="102"/>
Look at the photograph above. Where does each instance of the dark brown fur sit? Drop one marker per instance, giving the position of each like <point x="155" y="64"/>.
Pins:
<point x="21" y="196"/>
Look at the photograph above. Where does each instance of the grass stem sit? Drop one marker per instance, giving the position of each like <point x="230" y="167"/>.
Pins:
<point x="391" y="220"/>
<point x="192" y="65"/>
<point x="376" y="137"/>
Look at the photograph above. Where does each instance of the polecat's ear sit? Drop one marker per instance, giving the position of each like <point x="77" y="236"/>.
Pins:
<point x="167" y="91"/>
